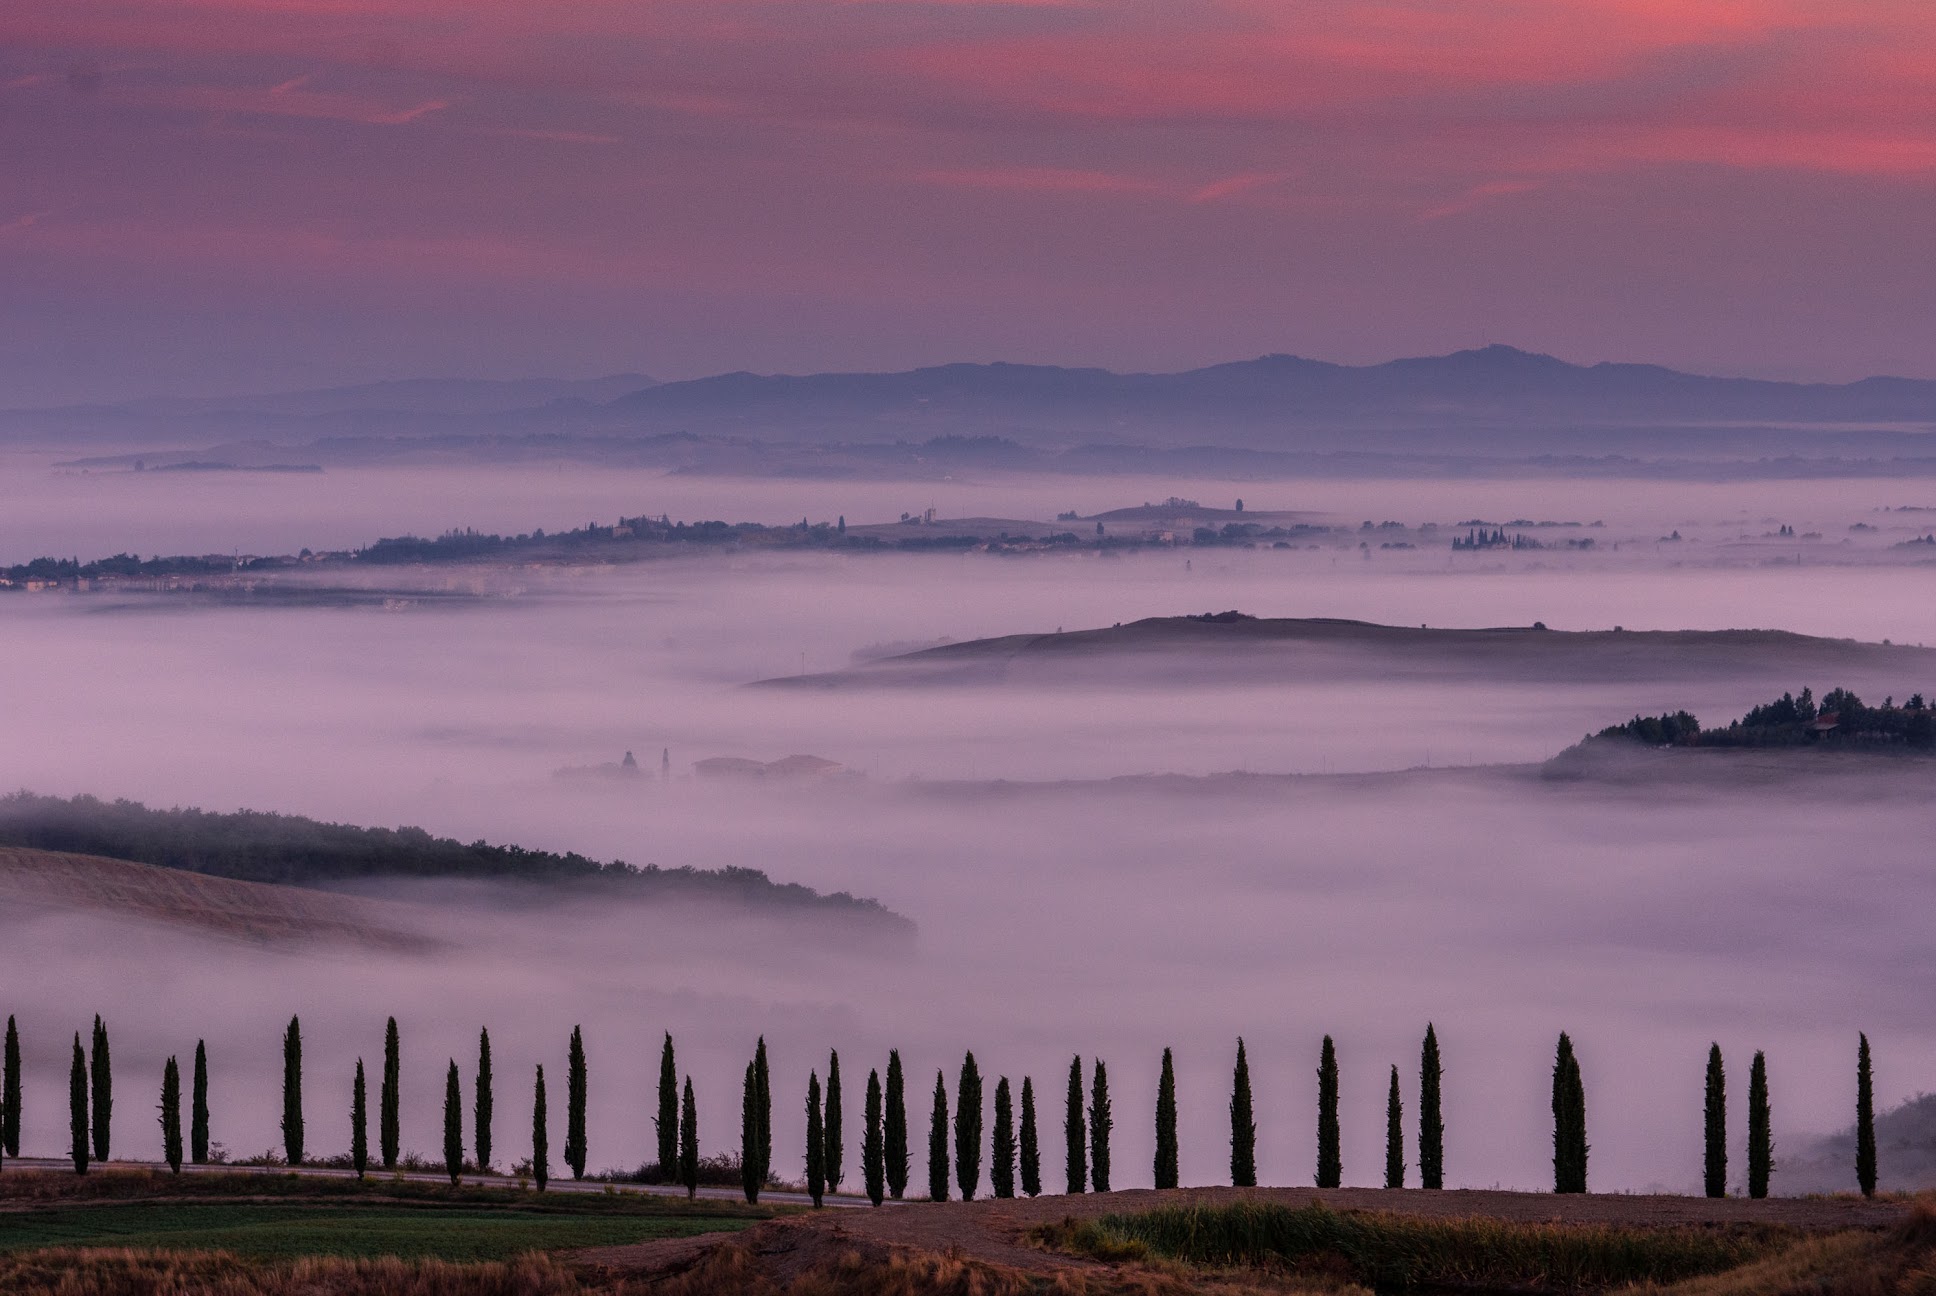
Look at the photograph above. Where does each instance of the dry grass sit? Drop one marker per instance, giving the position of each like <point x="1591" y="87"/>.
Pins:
<point x="1898" y="1262"/>
<point x="118" y="1272"/>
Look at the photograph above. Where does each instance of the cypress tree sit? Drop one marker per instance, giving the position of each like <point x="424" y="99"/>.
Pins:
<point x="292" y="1113"/>
<point x="101" y="1079"/>
<point x="816" y="1142"/>
<point x="359" y="1124"/>
<point x="1715" y="1126"/>
<point x="1031" y="1144"/>
<point x="1569" y="1121"/>
<point x="575" y="1105"/>
<point x="667" y="1120"/>
<point x="1865" y="1140"/>
<point x="1243" y="1125"/>
<point x="540" y="1135"/>
<point x="482" y="1113"/>
<point x="763" y="1110"/>
<point x="895" y="1128"/>
<point x="689" y="1143"/>
<point x="198" y="1109"/>
<point x="1431" y="1124"/>
<point x="835" y="1135"/>
<point x="750" y="1181"/>
<point x="873" y="1154"/>
<point x="453" y="1124"/>
<point x="389" y="1130"/>
<point x="938" y="1142"/>
<point x="1001" y="1168"/>
<point x="1330" y="1155"/>
<point x="1075" y="1132"/>
<point x="171" y="1131"/>
<point x="1166" y="1173"/>
<point x="1761" y="1146"/>
<point x="10" y="1093"/>
<point x="1394" y="1135"/>
<point x="77" y="1107"/>
<point x="1101" y="1123"/>
<point x="968" y="1129"/>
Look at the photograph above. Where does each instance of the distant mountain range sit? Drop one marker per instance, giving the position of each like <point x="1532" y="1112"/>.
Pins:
<point x="1492" y="401"/>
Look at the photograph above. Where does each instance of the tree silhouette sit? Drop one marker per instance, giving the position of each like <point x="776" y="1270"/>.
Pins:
<point x="1394" y="1135"/>
<point x="1243" y="1124"/>
<point x="540" y="1135"/>
<point x="1101" y="1123"/>
<point x="1030" y="1142"/>
<point x="10" y="1093"/>
<point x="359" y="1124"/>
<point x="1431" y="1124"/>
<point x="1714" y="1163"/>
<point x="198" y="1108"/>
<point x="481" y="1117"/>
<point x="1166" y="1151"/>
<point x="667" y="1120"/>
<point x="1761" y="1144"/>
<point x="1001" y="1168"/>
<point x="938" y="1142"/>
<point x="1569" y="1120"/>
<point x="896" y="1159"/>
<point x="171" y="1127"/>
<point x="77" y="1107"/>
<point x="1330" y="1156"/>
<point x="1865" y="1140"/>
<point x="1075" y="1132"/>
<point x="576" y="1082"/>
<point x="292" y="1106"/>
<point x="389" y="1129"/>
<point x="101" y="1078"/>
<point x="816" y="1142"/>
<point x="453" y="1124"/>
<point x="968" y="1129"/>
<point x="873" y="1152"/>
<point x="689" y="1142"/>
<point x="834" y="1133"/>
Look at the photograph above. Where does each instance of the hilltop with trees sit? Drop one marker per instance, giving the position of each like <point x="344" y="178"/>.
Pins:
<point x="1841" y="719"/>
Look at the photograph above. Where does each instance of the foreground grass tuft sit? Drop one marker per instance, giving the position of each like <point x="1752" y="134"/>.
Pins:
<point x="123" y="1272"/>
<point x="1899" y="1262"/>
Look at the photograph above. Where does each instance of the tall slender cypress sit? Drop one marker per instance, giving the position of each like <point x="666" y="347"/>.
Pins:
<point x="359" y="1123"/>
<point x="897" y="1161"/>
<point x="873" y="1153"/>
<point x="77" y="1107"/>
<point x="1166" y="1173"/>
<point x="540" y="1134"/>
<point x="575" y="1083"/>
<point x="198" y="1108"/>
<point x="968" y="1129"/>
<point x="1101" y="1123"/>
<point x="1030" y="1142"/>
<point x="938" y="1142"/>
<point x="1394" y="1135"/>
<point x="1714" y="1162"/>
<point x="1865" y="1140"/>
<point x="1243" y="1124"/>
<point x="816" y="1142"/>
<point x="453" y="1124"/>
<point x="101" y="1079"/>
<point x="481" y="1115"/>
<point x="390" y="1099"/>
<point x="1761" y="1144"/>
<point x="1569" y="1120"/>
<point x="1001" y="1162"/>
<point x="750" y="1179"/>
<point x="1330" y="1154"/>
<point x="835" y="1134"/>
<point x="1075" y="1133"/>
<point x="292" y="1110"/>
<point x="763" y="1108"/>
<point x="689" y="1143"/>
<point x="667" y="1120"/>
<point x="10" y="1093"/>
<point x="1431" y="1123"/>
<point x="171" y="1129"/>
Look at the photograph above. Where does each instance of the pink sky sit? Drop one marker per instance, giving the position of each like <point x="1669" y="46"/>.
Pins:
<point x="223" y="194"/>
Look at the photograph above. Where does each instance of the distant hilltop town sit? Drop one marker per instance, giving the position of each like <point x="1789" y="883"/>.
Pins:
<point x="798" y="767"/>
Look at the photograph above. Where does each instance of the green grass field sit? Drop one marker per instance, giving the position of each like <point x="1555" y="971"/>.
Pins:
<point x="284" y="1231"/>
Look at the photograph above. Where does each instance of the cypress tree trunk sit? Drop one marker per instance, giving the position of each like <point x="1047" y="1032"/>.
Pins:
<point x="1569" y="1120"/>
<point x="968" y="1130"/>
<point x="77" y="1107"/>
<point x="689" y="1144"/>
<point x="481" y="1116"/>
<point x="1761" y="1144"/>
<point x="453" y="1124"/>
<point x="1243" y="1125"/>
<point x="1431" y="1124"/>
<point x="1715" y="1126"/>
<point x="835" y="1134"/>
<point x="101" y="1076"/>
<point x="1075" y="1133"/>
<point x="1001" y="1168"/>
<point x="292" y="1113"/>
<point x="1865" y="1141"/>
<point x="1101" y="1123"/>
<point x="749" y="1138"/>
<point x="1166" y="1172"/>
<point x="667" y="1120"/>
<point x="359" y="1124"/>
<point x="873" y="1152"/>
<point x="540" y="1134"/>
<point x="575" y="1082"/>
<point x="763" y="1110"/>
<point x="1031" y="1143"/>
<point x="171" y="1131"/>
<point x="816" y="1142"/>
<point x="897" y="1159"/>
<point x="389" y="1130"/>
<point x="10" y="1093"/>
<point x="938" y="1143"/>
<point x="1394" y="1135"/>
<point x="1330" y="1154"/>
<point x="198" y="1109"/>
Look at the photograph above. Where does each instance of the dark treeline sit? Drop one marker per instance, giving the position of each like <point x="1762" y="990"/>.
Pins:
<point x="1839" y="719"/>
<point x="256" y="846"/>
